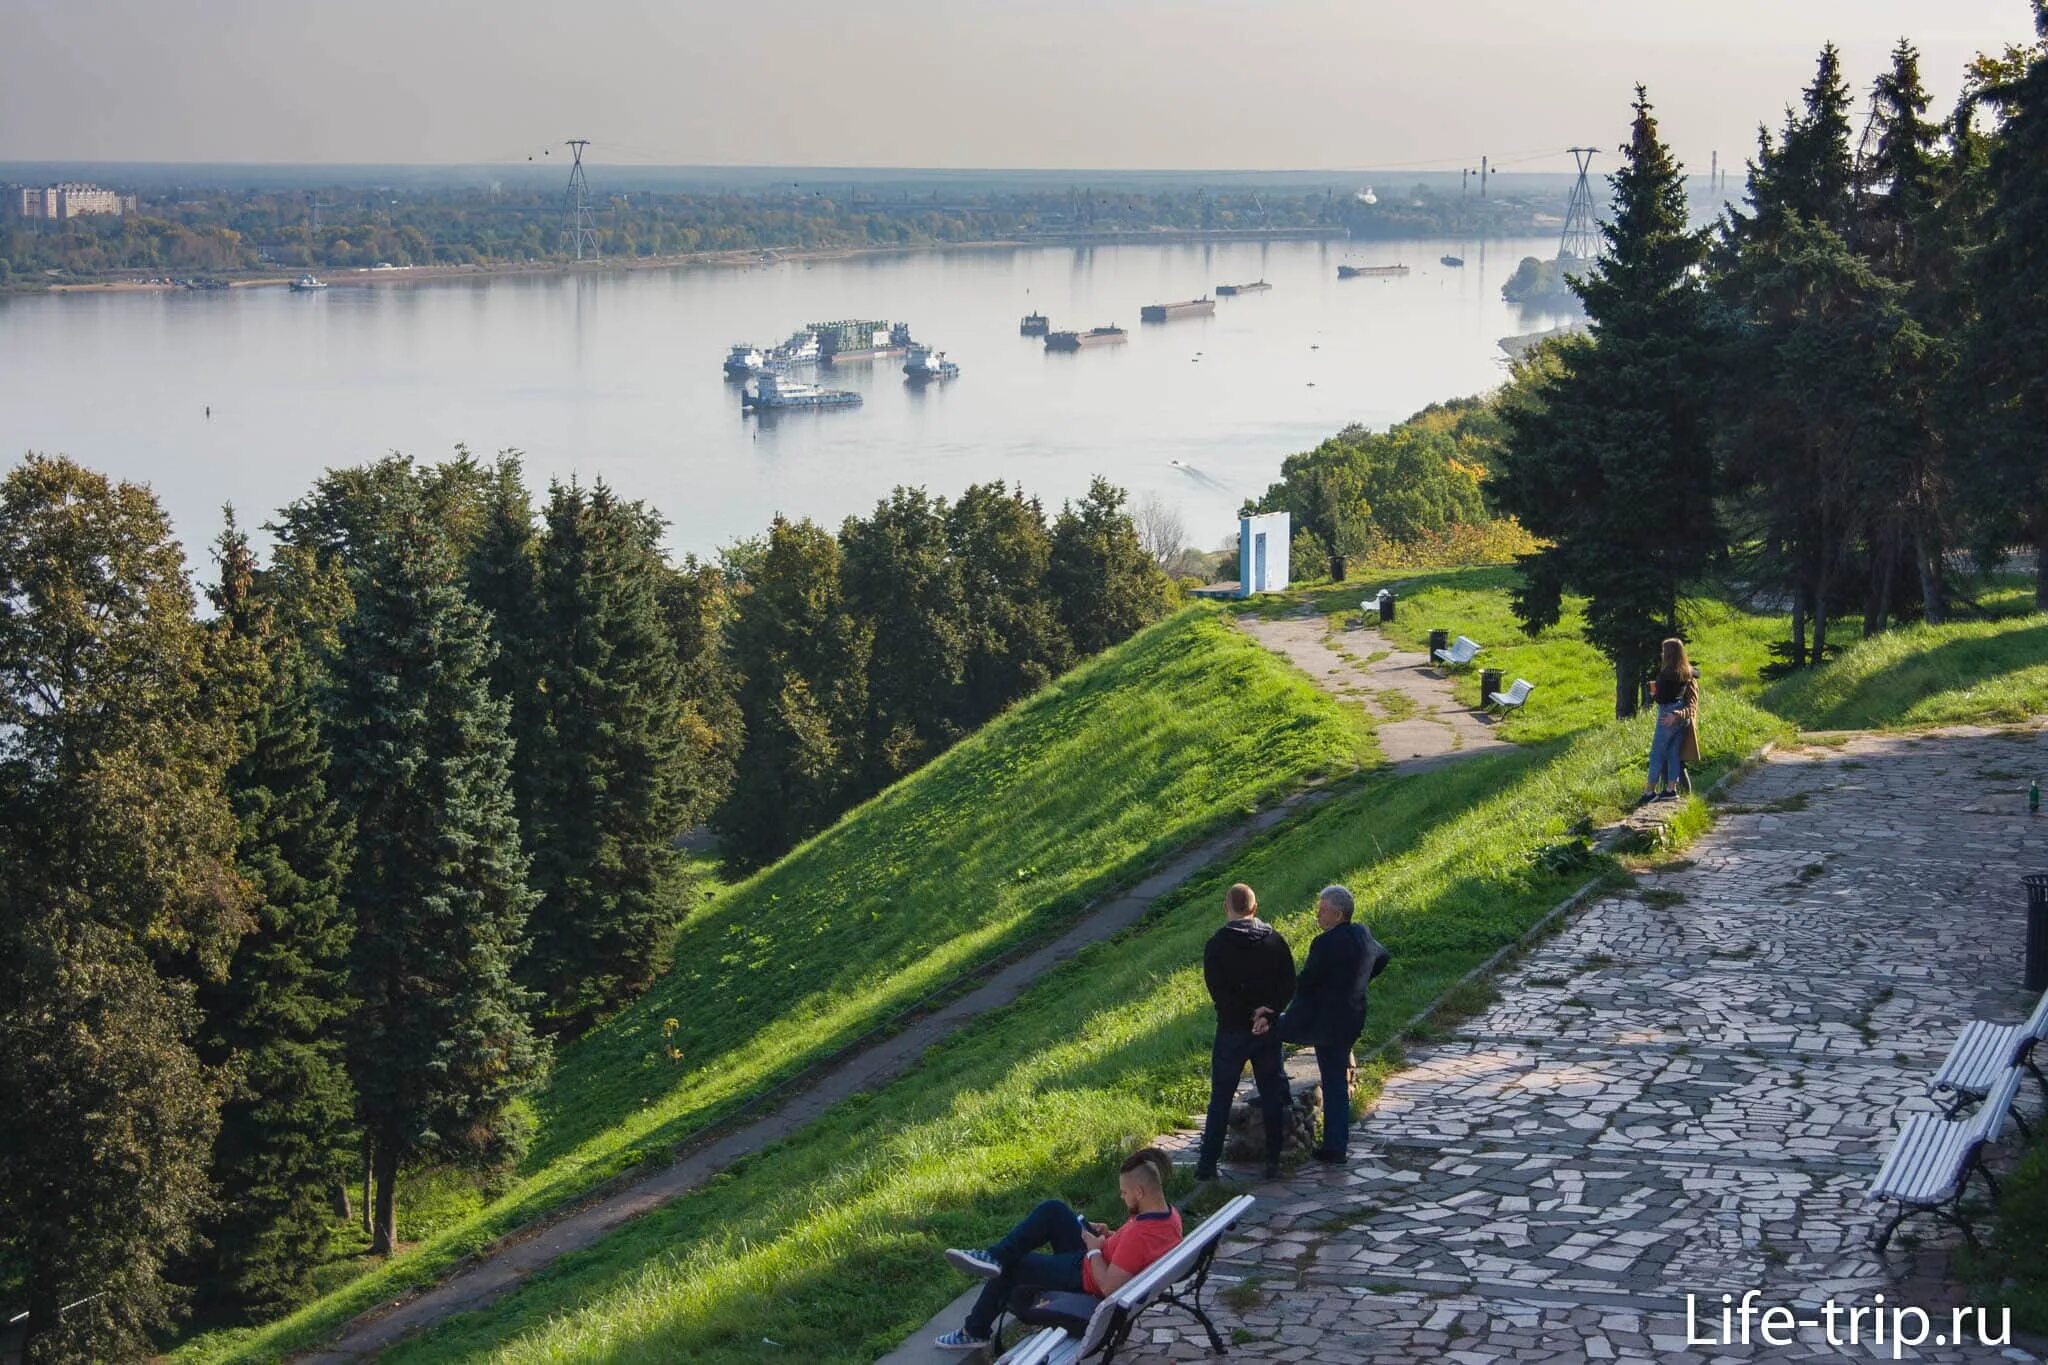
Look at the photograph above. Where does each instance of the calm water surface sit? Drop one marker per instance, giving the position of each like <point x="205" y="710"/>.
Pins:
<point x="617" y="376"/>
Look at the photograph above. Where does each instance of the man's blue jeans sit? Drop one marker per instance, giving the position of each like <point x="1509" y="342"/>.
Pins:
<point x="1052" y="1224"/>
<point x="1227" y="1057"/>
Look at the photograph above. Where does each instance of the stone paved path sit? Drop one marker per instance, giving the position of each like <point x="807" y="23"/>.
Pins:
<point x="866" y="1065"/>
<point x="1686" y="1089"/>
<point x="1419" y="723"/>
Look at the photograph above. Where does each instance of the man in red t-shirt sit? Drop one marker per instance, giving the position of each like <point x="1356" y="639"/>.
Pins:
<point x="1083" y="1256"/>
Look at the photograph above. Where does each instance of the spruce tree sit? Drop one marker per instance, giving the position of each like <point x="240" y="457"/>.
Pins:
<point x="903" y="582"/>
<point x="802" y="661"/>
<point x="2007" y="385"/>
<point x="440" y="1045"/>
<point x="696" y="605"/>
<point x="1612" y="463"/>
<point x="1106" y="587"/>
<point x="615" y="775"/>
<point x="117" y="859"/>
<point x="1014" y="641"/>
<point x="503" y="577"/>
<point x="287" y="1132"/>
<point x="1806" y="318"/>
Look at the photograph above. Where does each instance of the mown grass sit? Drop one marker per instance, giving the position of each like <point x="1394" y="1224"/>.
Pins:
<point x="1574" y="684"/>
<point x="827" y="1248"/>
<point x="1995" y="670"/>
<point x="1000" y="842"/>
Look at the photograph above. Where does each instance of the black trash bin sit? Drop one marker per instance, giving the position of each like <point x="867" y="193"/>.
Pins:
<point x="1338" y="567"/>
<point x="1489" y="683"/>
<point x="2037" y="930"/>
<point x="1386" y="606"/>
<point x="1438" y="639"/>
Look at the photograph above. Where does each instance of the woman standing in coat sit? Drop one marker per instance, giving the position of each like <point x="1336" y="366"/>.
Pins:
<point x="1677" y="692"/>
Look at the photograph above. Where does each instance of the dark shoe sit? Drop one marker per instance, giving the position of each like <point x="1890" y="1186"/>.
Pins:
<point x="1270" y="1171"/>
<point x="1667" y="796"/>
<point x="1329" y="1158"/>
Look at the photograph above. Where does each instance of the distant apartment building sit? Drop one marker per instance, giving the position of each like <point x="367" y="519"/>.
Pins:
<point x="70" y="200"/>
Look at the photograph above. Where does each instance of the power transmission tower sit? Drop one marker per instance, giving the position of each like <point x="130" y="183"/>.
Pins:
<point x="582" y="226"/>
<point x="1581" y="237"/>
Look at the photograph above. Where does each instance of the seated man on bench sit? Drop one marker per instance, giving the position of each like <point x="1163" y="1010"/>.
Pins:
<point x="1082" y="1256"/>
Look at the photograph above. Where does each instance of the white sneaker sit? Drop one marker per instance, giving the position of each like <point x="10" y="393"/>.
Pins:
<point x="960" y="1341"/>
<point x="973" y="1262"/>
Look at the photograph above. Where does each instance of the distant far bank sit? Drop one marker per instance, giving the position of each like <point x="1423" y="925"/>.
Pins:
<point x="372" y="277"/>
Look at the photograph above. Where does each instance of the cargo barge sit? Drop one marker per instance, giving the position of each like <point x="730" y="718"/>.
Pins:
<point x="1094" y="336"/>
<point x="773" y="393"/>
<point x="860" y="339"/>
<point x="1348" y="272"/>
<point x="1186" y="308"/>
<point x="1226" y="290"/>
<point x="1034" y="325"/>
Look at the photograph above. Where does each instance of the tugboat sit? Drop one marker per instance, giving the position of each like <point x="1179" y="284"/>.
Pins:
<point x="1094" y="336"/>
<point x="305" y="284"/>
<point x="1452" y="260"/>
<point x="772" y="392"/>
<point x="926" y="364"/>
<point x="743" y="362"/>
<point x="801" y="349"/>
<point x="1034" y="325"/>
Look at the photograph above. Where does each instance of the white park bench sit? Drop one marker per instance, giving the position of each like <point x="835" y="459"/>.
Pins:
<point x="1982" y="1056"/>
<point x="1514" y="698"/>
<point x="1929" y="1165"/>
<point x="1461" y="652"/>
<point x="1175" y="1278"/>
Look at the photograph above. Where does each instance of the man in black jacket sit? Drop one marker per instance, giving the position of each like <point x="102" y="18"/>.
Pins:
<point x="1249" y="968"/>
<point x="1329" y="1007"/>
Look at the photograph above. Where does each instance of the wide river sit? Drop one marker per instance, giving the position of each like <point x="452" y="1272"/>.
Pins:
<point x="617" y="376"/>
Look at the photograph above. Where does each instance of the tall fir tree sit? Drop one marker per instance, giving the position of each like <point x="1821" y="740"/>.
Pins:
<point x="902" y="580"/>
<point x="802" y="662"/>
<point x="117" y="855"/>
<point x="1014" y="641"/>
<point x="274" y="1024"/>
<point x="1909" y="240"/>
<point x="696" y="604"/>
<point x="1802" y="310"/>
<point x="615" y="775"/>
<point x="1612" y="463"/>
<point x="502" y="574"/>
<point x="2007" y="386"/>
<point x="440" y="1045"/>
<point x="1106" y="586"/>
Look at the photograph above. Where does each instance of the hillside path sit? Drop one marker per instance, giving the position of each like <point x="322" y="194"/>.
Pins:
<point x="1685" y="1090"/>
<point x="1417" y="720"/>
<point x="861" y="1067"/>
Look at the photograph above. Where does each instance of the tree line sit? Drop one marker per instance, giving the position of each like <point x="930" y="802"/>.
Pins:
<point x="301" y="891"/>
<point x="1832" y="397"/>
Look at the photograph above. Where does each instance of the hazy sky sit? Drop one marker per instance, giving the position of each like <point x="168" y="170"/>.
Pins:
<point x="994" y="83"/>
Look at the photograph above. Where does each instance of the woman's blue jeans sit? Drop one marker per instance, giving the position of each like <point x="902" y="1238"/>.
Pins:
<point x="1665" y="765"/>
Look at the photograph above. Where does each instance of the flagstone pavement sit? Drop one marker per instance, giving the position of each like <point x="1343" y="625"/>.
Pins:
<point x="1684" y="1091"/>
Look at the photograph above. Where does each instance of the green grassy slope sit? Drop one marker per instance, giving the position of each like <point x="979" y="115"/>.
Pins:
<point x="1002" y="841"/>
<point x="1994" y="670"/>
<point x="828" y="1247"/>
<point x="1574" y="685"/>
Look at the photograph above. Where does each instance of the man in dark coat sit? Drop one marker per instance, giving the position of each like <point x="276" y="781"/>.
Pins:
<point x="1249" y="968"/>
<point x="1329" y="1007"/>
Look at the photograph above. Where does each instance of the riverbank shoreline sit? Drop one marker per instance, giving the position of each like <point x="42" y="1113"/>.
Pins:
<point x="745" y="258"/>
